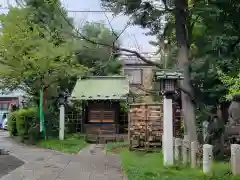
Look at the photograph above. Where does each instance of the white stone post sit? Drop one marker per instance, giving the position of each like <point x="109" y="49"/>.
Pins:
<point x="162" y="144"/>
<point x="167" y="132"/>
<point x="177" y="149"/>
<point x="186" y="151"/>
<point x="207" y="158"/>
<point x="205" y="127"/>
<point x="235" y="159"/>
<point x="62" y="122"/>
<point x="194" y="151"/>
<point x="186" y="137"/>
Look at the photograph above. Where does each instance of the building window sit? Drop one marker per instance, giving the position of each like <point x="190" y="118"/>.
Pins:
<point x="135" y="76"/>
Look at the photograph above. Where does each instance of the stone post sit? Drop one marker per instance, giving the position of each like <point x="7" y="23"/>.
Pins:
<point x="186" y="151"/>
<point x="207" y="158"/>
<point x="167" y="131"/>
<point x="235" y="159"/>
<point x="62" y="122"/>
<point x="194" y="151"/>
<point x="186" y="137"/>
<point x="205" y="127"/>
<point x="162" y="144"/>
<point x="177" y="149"/>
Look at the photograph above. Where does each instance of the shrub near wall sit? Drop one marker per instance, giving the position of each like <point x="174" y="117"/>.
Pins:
<point x="12" y="128"/>
<point x="25" y="124"/>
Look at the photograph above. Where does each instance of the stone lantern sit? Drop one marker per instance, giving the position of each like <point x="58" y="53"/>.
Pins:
<point x="62" y="102"/>
<point x="168" y="81"/>
<point x="167" y="85"/>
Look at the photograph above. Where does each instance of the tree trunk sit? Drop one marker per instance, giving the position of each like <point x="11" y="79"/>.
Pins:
<point x="224" y="111"/>
<point x="181" y="16"/>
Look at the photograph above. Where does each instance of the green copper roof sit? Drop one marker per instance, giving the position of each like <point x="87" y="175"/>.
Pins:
<point x="101" y="88"/>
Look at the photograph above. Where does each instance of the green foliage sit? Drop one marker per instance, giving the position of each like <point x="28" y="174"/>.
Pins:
<point x="113" y="146"/>
<point x="25" y="118"/>
<point x="124" y="108"/>
<point x="71" y="144"/>
<point x="37" y="50"/>
<point x="149" y="166"/>
<point x="102" y="60"/>
<point x="143" y="13"/>
<point x="30" y="61"/>
<point x="12" y="127"/>
<point x="25" y="124"/>
<point x="233" y="84"/>
<point x="214" y="45"/>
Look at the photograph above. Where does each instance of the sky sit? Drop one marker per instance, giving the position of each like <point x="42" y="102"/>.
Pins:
<point x="133" y="37"/>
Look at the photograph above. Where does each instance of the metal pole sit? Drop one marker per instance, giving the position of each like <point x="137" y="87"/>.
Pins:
<point x="42" y="121"/>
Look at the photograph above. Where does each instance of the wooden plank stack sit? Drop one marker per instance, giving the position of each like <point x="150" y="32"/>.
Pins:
<point x="146" y="126"/>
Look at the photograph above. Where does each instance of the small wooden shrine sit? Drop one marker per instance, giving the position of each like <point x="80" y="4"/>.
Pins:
<point x="101" y="97"/>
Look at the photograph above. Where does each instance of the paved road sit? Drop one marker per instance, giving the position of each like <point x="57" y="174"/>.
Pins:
<point x="42" y="164"/>
<point x="9" y="163"/>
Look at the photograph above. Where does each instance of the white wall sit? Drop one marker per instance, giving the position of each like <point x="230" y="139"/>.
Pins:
<point x="15" y="93"/>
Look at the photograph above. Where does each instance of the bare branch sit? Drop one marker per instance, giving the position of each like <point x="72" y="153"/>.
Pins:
<point x="147" y="90"/>
<point x="109" y="22"/>
<point x="113" y="31"/>
<point x="135" y="39"/>
<point x="127" y="25"/>
<point x="83" y="37"/>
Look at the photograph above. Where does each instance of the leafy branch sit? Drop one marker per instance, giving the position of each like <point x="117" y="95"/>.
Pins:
<point x="81" y="36"/>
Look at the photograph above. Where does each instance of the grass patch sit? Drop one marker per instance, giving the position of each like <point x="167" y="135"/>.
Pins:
<point x="149" y="166"/>
<point x="113" y="147"/>
<point x="71" y="144"/>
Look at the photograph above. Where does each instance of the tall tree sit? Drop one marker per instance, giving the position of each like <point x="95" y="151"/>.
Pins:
<point x="28" y="60"/>
<point x="150" y="15"/>
<point x="50" y="15"/>
<point x="204" y="44"/>
<point x="102" y="60"/>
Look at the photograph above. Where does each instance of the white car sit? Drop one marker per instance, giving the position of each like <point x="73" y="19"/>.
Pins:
<point x="4" y="124"/>
<point x="4" y="121"/>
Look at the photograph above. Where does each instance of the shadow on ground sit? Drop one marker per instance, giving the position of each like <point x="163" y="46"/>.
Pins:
<point x="9" y="163"/>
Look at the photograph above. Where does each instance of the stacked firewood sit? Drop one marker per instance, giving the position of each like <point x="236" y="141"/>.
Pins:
<point x="145" y="126"/>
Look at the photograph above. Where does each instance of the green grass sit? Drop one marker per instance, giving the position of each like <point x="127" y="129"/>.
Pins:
<point x="71" y="144"/>
<point x="115" y="145"/>
<point x="149" y="166"/>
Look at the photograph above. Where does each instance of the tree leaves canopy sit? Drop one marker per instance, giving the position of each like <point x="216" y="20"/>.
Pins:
<point x="30" y="61"/>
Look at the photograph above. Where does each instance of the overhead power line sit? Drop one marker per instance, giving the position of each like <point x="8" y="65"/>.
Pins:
<point x="75" y="11"/>
<point x="89" y="11"/>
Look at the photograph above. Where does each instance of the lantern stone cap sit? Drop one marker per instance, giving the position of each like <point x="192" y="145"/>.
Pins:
<point x="168" y="74"/>
<point x="207" y="146"/>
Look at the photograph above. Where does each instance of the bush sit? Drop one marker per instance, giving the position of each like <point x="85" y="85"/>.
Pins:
<point x="12" y="128"/>
<point x="51" y="124"/>
<point x="25" y="124"/>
